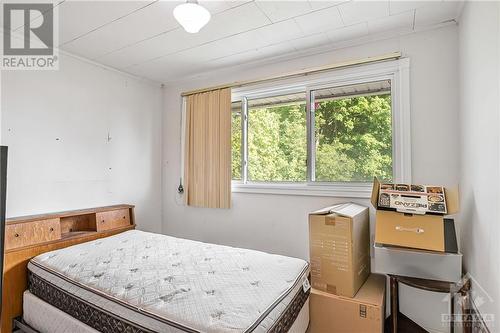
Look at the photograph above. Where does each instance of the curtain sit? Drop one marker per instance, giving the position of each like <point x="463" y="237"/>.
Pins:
<point x="207" y="161"/>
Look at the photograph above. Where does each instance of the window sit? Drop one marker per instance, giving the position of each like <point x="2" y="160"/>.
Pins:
<point x="323" y="135"/>
<point x="277" y="148"/>
<point x="236" y="133"/>
<point x="353" y="132"/>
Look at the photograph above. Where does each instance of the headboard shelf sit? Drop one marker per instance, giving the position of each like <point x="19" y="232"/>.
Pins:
<point x="76" y="234"/>
<point x="31" y="230"/>
<point x="67" y="213"/>
<point x="29" y="236"/>
<point x="72" y="236"/>
<point x="76" y="223"/>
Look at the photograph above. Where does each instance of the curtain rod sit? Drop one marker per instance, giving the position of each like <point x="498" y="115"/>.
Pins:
<point x="314" y="70"/>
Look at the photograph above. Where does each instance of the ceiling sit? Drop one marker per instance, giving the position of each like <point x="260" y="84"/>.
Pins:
<point x="143" y="38"/>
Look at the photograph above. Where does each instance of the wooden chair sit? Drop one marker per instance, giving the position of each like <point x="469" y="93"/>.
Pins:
<point x="429" y="285"/>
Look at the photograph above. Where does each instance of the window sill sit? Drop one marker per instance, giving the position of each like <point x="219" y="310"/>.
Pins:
<point x="342" y="190"/>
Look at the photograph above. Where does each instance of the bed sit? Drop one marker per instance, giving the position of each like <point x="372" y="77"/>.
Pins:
<point x="143" y="282"/>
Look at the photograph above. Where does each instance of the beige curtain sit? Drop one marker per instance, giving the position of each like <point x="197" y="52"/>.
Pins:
<point x="207" y="164"/>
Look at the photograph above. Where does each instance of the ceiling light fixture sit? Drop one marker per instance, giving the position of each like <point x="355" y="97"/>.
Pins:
<point x="191" y="16"/>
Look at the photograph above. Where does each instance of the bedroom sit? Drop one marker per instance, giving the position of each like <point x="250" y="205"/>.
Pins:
<point x="108" y="117"/>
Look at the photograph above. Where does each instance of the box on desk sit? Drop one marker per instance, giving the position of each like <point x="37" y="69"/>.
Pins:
<point x="440" y="266"/>
<point x="365" y="312"/>
<point x="339" y="244"/>
<point x="409" y="218"/>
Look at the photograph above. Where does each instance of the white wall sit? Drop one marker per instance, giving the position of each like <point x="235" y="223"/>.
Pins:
<point x="479" y="46"/>
<point x="56" y="124"/>
<point x="278" y="223"/>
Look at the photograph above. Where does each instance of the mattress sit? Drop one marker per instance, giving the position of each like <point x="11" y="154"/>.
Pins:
<point x="44" y="317"/>
<point x="144" y="282"/>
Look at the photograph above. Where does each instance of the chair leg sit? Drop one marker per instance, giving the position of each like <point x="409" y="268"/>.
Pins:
<point x="452" y="313"/>
<point x="394" y="304"/>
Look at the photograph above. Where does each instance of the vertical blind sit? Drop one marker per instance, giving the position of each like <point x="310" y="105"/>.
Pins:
<point x="207" y="168"/>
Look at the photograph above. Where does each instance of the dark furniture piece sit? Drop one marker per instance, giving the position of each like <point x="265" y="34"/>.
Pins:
<point x="429" y="285"/>
<point x="3" y="190"/>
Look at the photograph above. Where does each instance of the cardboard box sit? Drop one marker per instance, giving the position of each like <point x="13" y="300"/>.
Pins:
<point x="336" y="314"/>
<point x="412" y="230"/>
<point x="339" y="244"/>
<point x="412" y="198"/>
<point x="439" y="266"/>
<point x="422" y="264"/>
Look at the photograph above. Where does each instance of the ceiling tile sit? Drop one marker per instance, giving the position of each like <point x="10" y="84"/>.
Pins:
<point x="214" y="50"/>
<point x="228" y="23"/>
<point x="235" y="44"/>
<point x="362" y="11"/>
<point x="282" y="10"/>
<point x="240" y="43"/>
<point x="167" y="43"/>
<point x="279" y="32"/>
<point x="311" y="41"/>
<point x="399" y="22"/>
<point x="152" y="20"/>
<point x="348" y="33"/>
<point x="283" y="49"/>
<point x="320" y="21"/>
<point x="217" y="6"/>
<point x="143" y="38"/>
<point x="399" y="6"/>
<point x="437" y="12"/>
<point x="214" y="6"/>
<point x="79" y="17"/>
<point x="321" y="4"/>
<point x="246" y="41"/>
<point x="167" y="69"/>
<point x="233" y="21"/>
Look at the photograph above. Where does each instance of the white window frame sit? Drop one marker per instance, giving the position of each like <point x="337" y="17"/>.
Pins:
<point x="397" y="71"/>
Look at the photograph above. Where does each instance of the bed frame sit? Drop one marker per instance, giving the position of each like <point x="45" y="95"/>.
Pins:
<point x="28" y="236"/>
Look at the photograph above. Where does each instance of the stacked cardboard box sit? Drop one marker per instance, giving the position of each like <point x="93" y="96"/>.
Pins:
<point x="412" y="236"/>
<point x="365" y="312"/>
<point x="341" y="300"/>
<point x="399" y="224"/>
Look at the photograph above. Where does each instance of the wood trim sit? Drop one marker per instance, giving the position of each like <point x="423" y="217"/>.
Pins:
<point x="314" y="70"/>
<point x="30" y="218"/>
<point x="35" y="232"/>
<point x="15" y="273"/>
<point x="427" y="284"/>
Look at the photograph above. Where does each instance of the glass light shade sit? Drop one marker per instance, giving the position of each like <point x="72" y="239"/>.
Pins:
<point x="191" y="16"/>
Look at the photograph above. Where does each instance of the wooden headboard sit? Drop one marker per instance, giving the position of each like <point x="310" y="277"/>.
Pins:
<point x="28" y="236"/>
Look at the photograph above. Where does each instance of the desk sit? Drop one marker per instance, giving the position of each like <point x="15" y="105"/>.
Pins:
<point x="429" y="285"/>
